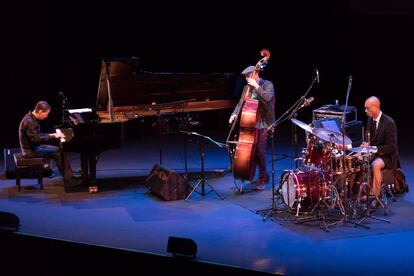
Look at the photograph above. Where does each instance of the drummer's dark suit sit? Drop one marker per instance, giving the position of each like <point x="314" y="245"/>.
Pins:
<point x="385" y="138"/>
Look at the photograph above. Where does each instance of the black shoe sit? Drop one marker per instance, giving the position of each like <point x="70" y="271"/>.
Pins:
<point x="373" y="204"/>
<point x="77" y="177"/>
<point x="72" y="182"/>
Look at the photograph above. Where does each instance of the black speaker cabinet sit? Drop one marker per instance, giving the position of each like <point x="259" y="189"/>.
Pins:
<point x="354" y="132"/>
<point x="167" y="184"/>
<point x="10" y="167"/>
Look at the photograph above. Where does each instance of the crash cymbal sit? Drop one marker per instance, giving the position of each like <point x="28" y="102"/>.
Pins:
<point x="331" y="136"/>
<point x="302" y="125"/>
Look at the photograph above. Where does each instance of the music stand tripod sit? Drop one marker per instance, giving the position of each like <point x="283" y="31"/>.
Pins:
<point x="202" y="181"/>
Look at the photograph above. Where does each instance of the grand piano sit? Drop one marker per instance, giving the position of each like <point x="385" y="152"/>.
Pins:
<point x="127" y="92"/>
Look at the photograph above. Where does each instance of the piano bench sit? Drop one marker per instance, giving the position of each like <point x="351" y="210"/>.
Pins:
<point x="30" y="167"/>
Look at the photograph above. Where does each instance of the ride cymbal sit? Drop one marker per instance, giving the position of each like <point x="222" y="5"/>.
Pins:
<point x="331" y="136"/>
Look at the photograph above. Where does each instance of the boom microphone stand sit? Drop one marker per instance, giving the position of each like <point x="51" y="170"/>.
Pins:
<point x="302" y="102"/>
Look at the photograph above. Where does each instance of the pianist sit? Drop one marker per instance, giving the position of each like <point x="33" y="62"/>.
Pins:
<point x="34" y="143"/>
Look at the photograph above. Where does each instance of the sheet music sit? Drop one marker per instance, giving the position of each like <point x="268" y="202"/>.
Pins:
<point x="79" y="110"/>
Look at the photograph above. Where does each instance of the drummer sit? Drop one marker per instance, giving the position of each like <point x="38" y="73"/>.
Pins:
<point x="382" y="133"/>
<point x="381" y="140"/>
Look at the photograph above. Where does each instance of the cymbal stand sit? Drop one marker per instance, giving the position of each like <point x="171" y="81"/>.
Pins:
<point x="345" y="191"/>
<point x="366" y="184"/>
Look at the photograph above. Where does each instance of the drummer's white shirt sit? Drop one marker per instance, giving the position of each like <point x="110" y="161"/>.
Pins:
<point x="377" y="120"/>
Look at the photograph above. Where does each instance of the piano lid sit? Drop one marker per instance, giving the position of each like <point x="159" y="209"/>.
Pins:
<point x="129" y="85"/>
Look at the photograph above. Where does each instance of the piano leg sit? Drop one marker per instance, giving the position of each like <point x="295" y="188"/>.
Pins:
<point x="93" y="157"/>
<point x="88" y="166"/>
<point x="84" y="165"/>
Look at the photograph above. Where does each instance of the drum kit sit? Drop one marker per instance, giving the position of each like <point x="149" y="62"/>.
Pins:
<point x="315" y="186"/>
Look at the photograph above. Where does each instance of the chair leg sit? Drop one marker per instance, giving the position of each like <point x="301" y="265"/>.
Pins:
<point x="387" y="188"/>
<point x="389" y="192"/>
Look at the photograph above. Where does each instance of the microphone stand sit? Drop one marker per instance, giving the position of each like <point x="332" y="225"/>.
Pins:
<point x="300" y="103"/>
<point x="64" y="108"/>
<point x="294" y="145"/>
<point x="346" y="204"/>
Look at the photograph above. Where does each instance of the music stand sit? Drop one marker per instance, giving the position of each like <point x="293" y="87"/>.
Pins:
<point x="202" y="181"/>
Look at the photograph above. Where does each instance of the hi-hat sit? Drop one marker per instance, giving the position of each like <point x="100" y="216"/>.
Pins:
<point x="331" y="136"/>
<point x="302" y="125"/>
<point x="360" y="150"/>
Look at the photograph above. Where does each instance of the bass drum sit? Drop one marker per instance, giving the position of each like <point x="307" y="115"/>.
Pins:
<point x="303" y="187"/>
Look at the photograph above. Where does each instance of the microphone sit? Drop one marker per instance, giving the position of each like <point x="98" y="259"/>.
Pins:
<point x="61" y="95"/>
<point x="317" y="76"/>
<point x="308" y="101"/>
<point x="63" y="99"/>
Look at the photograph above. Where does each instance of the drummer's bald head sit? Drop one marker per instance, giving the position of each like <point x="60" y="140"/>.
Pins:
<point x="373" y="101"/>
<point x="372" y="107"/>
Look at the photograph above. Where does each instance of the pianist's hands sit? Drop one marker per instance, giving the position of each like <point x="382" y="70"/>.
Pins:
<point x="58" y="135"/>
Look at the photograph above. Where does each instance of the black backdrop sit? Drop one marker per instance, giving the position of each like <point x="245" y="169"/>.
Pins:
<point x="52" y="46"/>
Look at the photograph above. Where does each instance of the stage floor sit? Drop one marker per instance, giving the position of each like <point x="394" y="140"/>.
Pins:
<point x="124" y="215"/>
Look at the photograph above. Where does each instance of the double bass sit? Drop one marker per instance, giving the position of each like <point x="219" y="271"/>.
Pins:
<point x="244" y="163"/>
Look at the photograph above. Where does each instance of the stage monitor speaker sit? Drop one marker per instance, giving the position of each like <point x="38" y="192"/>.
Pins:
<point x="182" y="247"/>
<point x="167" y="184"/>
<point x="9" y="222"/>
<point x="10" y="166"/>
